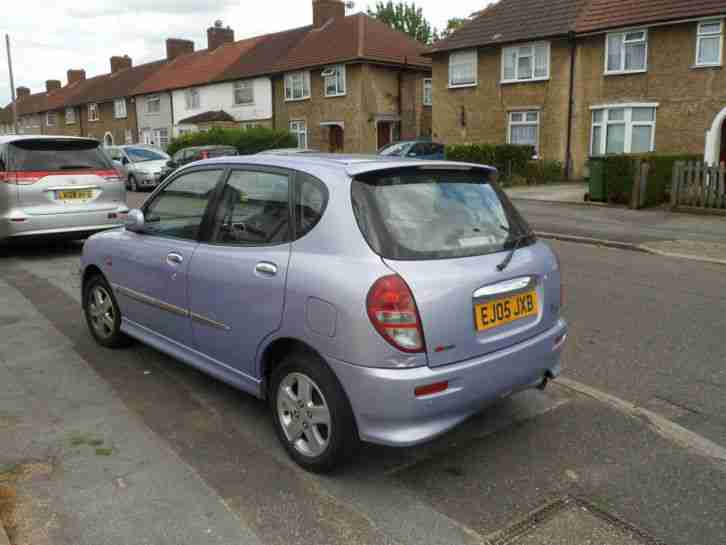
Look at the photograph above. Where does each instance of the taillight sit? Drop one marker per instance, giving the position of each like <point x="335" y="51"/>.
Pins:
<point x="27" y="178"/>
<point x="112" y="175"/>
<point x="205" y="155"/>
<point x="392" y="311"/>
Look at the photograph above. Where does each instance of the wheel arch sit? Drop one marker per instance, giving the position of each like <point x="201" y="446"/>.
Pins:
<point x="89" y="272"/>
<point x="272" y="354"/>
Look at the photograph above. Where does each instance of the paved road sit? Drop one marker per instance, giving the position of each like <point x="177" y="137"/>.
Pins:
<point x="621" y="224"/>
<point x="645" y="328"/>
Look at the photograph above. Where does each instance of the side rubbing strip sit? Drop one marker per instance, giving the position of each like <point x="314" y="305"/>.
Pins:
<point x="208" y="321"/>
<point x="151" y="301"/>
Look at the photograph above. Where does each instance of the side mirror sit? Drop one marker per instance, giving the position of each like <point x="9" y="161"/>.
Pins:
<point x="171" y="164"/>
<point x="124" y="161"/>
<point x="135" y="221"/>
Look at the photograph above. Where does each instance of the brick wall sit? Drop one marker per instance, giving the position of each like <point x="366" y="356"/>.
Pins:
<point x="108" y="123"/>
<point x="689" y="98"/>
<point x="486" y="106"/>
<point x="61" y="127"/>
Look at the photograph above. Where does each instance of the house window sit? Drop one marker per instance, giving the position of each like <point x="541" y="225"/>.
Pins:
<point x="250" y="125"/>
<point x="244" y="93"/>
<point x="626" y="129"/>
<point x="709" y="44"/>
<point x="119" y="108"/>
<point x="463" y="68"/>
<point x="297" y="86"/>
<point x="626" y="52"/>
<point x="300" y="130"/>
<point x="428" y="92"/>
<point x="192" y="99"/>
<point x="50" y="119"/>
<point x="153" y="104"/>
<point x="524" y="129"/>
<point x="334" y="79"/>
<point x="93" y="112"/>
<point x="529" y="62"/>
<point x="70" y="116"/>
<point x="162" y="137"/>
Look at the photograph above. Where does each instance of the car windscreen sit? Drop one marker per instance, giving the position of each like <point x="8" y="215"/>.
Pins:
<point x="139" y="155"/>
<point x="57" y="155"/>
<point x="394" y="150"/>
<point x="420" y="214"/>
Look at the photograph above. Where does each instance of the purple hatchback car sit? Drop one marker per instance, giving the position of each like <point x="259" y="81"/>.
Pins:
<point x="373" y="299"/>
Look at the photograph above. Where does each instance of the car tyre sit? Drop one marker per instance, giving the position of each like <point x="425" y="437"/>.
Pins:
<point x="132" y="184"/>
<point x="103" y="315"/>
<point x="300" y="418"/>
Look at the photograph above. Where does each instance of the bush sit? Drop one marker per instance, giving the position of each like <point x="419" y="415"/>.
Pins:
<point x="247" y="141"/>
<point x="544" y="172"/>
<point x="509" y="160"/>
<point x="619" y="171"/>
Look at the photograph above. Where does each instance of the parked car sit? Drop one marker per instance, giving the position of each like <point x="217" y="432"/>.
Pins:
<point x="418" y="149"/>
<point x="142" y="165"/>
<point x="57" y="186"/>
<point x="286" y="151"/>
<point x="196" y="153"/>
<point x="386" y="303"/>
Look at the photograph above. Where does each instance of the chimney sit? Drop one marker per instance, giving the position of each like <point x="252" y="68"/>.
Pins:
<point x="325" y="10"/>
<point x="120" y="63"/>
<point x="52" y="85"/>
<point x="177" y="46"/>
<point x="219" y="35"/>
<point x="75" y="76"/>
<point x="21" y="93"/>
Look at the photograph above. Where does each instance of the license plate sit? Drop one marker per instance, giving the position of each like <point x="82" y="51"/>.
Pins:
<point x="76" y="195"/>
<point x="505" y="310"/>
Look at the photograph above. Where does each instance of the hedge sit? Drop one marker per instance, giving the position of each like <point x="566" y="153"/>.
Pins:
<point x="247" y="141"/>
<point x="510" y="160"/>
<point x="619" y="172"/>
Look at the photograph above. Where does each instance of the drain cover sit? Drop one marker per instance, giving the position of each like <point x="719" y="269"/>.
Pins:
<point x="573" y="521"/>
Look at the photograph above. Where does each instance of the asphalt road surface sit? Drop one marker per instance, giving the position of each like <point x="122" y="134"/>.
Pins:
<point x="644" y="328"/>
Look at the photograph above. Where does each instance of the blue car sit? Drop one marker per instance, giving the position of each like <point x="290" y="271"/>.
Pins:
<point x="417" y="149"/>
<point x="366" y="299"/>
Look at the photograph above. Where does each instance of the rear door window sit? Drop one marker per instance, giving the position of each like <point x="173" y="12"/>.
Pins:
<point x="310" y="201"/>
<point x="419" y="214"/>
<point x="57" y="155"/>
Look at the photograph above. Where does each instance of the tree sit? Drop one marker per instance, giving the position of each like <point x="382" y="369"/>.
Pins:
<point x="405" y="17"/>
<point x="452" y="26"/>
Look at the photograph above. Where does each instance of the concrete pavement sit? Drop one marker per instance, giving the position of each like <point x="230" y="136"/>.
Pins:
<point x="193" y="455"/>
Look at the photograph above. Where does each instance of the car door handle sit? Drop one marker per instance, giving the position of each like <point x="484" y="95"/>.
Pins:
<point x="174" y="259"/>
<point x="266" y="268"/>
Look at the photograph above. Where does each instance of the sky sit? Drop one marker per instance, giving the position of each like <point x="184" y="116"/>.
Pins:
<point x="48" y="37"/>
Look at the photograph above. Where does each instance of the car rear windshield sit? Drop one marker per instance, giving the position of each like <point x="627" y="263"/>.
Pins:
<point x="221" y="152"/>
<point x="139" y="155"/>
<point x="424" y="214"/>
<point x="55" y="155"/>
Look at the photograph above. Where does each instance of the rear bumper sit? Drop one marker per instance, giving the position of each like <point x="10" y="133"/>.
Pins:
<point x="17" y="224"/>
<point x="388" y="412"/>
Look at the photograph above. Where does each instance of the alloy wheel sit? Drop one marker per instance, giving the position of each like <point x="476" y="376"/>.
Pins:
<point x="304" y="414"/>
<point x="101" y="312"/>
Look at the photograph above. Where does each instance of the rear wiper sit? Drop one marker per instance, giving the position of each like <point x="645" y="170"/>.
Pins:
<point x="517" y="242"/>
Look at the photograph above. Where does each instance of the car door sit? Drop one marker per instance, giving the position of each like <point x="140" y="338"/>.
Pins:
<point x="237" y="278"/>
<point x="151" y="268"/>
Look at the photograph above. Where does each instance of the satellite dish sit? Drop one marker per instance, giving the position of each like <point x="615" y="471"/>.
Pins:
<point x="350" y="5"/>
<point x="218" y="23"/>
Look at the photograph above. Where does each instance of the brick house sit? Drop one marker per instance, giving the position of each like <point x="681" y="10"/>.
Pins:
<point x="358" y="95"/>
<point x="585" y="77"/>
<point x="6" y="121"/>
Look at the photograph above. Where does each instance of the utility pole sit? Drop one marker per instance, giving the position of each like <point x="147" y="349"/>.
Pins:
<point x="12" y="85"/>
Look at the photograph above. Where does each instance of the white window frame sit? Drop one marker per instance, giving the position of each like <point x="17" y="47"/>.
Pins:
<point x="119" y="108"/>
<point x="533" y="55"/>
<point x="93" y="114"/>
<point x="299" y="128"/>
<point x="193" y="99"/>
<point x="623" y="35"/>
<point x="162" y="137"/>
<point x="336" y="72"/>
<point x="428" y="92"/>
<point x="70" y="116"/>
<point x="460" y="58"/>
<point x="153" y="99"/>
<point x="627" y="121"/>
<point x="242" y="86"/>
<point x="524" y="123"/>
<point x="48" y="117"/>
<point x="700" y="36"/>
<point x="291" y="81"/>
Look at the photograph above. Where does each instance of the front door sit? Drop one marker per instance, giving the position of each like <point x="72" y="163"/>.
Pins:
<point x="237" y="279"/>
<point x="150" y="270"/>
<point x="336" y="139"/>
<point x="384" y="134"/>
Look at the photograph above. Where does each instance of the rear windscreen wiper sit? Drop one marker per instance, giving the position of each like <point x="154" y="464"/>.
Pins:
<point x="517" y="242"/>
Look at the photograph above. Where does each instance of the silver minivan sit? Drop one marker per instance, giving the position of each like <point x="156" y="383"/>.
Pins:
<point x="57" y="186"/>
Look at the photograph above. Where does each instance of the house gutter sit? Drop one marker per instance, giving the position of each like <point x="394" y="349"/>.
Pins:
<point x="570" y="106"/>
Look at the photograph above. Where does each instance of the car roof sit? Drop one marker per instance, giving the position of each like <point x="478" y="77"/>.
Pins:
<point x="9" y="139"/>
<point x="352" y="165"/>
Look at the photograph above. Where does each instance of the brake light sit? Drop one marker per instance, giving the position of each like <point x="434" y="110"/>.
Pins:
<point x="112" y="175"/>
<point x="28" y="178"/>
<point x="392" y="311"/>
<point x="431" y="389"/>
<point x="205" y="155"/>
